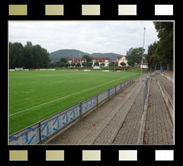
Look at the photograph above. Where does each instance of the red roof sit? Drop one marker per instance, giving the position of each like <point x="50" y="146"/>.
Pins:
<point x="76" y="60"/>
<point x="119" y="57"/>
<point x="114" y="61"/>
<point x="101" y="59"/>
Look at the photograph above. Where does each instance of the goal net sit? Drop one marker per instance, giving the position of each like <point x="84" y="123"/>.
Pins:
<point x="96" y="68"/>
<point x="19" y="69"/>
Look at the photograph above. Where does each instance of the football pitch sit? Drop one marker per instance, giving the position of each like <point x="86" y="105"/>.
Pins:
<point x="36" y="95"/>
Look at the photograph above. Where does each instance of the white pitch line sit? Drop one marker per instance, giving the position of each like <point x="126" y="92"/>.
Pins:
<point x="62" y="98"/>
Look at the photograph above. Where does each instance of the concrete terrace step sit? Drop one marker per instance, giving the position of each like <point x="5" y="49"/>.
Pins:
<point x="168" y="85"/>
<point x="110" y="131"/>
<point x="129" y="131"/>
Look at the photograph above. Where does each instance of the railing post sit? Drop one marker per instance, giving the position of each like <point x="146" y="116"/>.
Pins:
<point x="80" y="109"/>
<point x="97" y="100"/>
<point x="39" y="132"/>
<point x="145" y="93"/>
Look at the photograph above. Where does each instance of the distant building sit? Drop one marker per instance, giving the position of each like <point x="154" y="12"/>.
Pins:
<point x="144" y="65"/>
<point x="122" y="59"/>
<point x="76" y="60"/>
<point x="106" y="61"/>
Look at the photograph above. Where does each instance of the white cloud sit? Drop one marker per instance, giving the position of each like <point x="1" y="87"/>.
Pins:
<point x="87" y="36"/>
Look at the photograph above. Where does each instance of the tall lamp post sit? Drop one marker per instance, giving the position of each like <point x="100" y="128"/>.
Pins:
<point x="142" y="51"/>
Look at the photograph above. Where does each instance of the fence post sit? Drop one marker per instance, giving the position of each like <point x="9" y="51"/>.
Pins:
<point x="80" y="108"/>
<point x="39" y="132"/>
<point x="145" y="92"/>
<point x="97" y="100"/>
<point x="143" y="99"/>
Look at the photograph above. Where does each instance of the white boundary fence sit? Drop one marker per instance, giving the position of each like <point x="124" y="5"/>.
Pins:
<point x="41" y="130"/>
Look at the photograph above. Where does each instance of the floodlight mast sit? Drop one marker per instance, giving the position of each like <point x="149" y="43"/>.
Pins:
<point x="142" y="51"/>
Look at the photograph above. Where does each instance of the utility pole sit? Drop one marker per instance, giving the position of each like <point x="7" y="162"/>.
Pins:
<point x="142" y="51"/>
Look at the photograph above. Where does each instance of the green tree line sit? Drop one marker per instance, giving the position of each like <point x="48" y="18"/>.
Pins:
<point x="134" y="56"/>
<point x="28" y="56"/>
<point x="162" y="50"/>
<point x="158" y="53"/>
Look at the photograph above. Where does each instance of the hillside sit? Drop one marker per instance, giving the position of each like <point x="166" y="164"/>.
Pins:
<point x="71" y="53"/>
<point x="113" y="56"/>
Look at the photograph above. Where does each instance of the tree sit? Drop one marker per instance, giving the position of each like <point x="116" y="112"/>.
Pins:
<point x="52" y="64"/>
<point x="45" y="59"/>
<point x="28" y="56"/>
<point x="134" y="55"/>
<point x="73" y="64"/>
<point x="16" y="58"/>
<point x="90" y="64"/>
<point x="96" y="64"/>
<point x="102" y="64"/>
<point x="87" y="57"/>
<point x="111" y="64"/>
<point x="78" y="64"/>
<point x="164" y="50"/>
<point x="122" y="63"/>
<point x="62" y="64"/>
<point x="151" y="57"/>
<point x="84" y="64"/>
<point x="66" y="64"/>
<point x="57" y="64"/>
<point x="64" y="60"/>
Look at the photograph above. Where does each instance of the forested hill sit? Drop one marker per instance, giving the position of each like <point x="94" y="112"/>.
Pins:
<point x="71" y="53"/>
<point x="66" y="53"/>
<point x="113" y="56"/>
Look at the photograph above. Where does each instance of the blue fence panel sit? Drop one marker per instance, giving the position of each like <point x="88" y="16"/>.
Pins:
<point x="102" y="96"/>
<point x="117" y="87"/>
<point x="89" y="104"/>
<point x="45" y="130"/>
<point x="29" y="136"/>
<point x="59" y="121"/>
<point x="112" y="91"/>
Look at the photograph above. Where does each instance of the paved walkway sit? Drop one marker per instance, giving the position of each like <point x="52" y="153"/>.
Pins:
<point x="158" y="126"/>
<point x="168" y="72"/>
<point x="118" y="121"/>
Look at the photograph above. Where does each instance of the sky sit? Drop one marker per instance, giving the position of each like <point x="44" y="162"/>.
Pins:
<point x="87" y="36"/>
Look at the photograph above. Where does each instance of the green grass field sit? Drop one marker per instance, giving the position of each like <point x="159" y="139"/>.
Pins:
<point x="35" y="95"/>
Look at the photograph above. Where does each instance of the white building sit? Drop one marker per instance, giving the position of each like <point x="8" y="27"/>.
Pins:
<point x="144" y="65"/>
<point x="106" y="61"/>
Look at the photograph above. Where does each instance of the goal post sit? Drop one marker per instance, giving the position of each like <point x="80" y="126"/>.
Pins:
<point x="19" y="69"/>
<point x="96" y="68"/>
